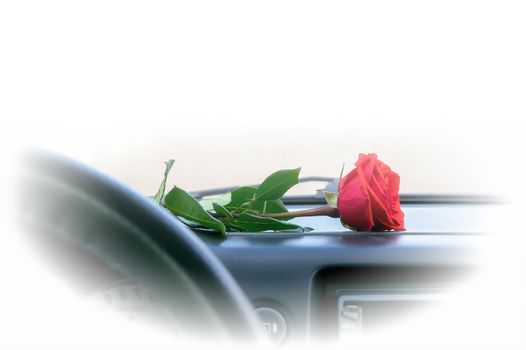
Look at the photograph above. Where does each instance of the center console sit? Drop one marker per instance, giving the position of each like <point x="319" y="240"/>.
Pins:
<point x="350" y="301"/>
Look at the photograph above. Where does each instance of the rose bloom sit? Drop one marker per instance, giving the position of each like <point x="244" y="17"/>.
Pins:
<point x="368" y="197"/>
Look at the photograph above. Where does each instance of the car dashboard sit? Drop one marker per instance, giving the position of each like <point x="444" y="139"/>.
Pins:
<point x="333" y="282"/>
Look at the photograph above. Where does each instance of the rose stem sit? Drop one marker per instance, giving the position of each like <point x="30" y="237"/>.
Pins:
<point x="324" y="210"/>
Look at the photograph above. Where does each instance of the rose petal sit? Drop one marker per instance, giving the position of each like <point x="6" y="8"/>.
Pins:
<point x="354" y="204"/>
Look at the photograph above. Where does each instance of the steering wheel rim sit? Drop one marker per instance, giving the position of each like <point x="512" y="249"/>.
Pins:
<point x="132" y="235"/>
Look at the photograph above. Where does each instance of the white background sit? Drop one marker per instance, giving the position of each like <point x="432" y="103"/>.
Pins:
<point x="235" y="90"/>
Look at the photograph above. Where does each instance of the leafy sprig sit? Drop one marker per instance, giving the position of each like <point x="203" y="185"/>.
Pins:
<point x="249" y="209"/>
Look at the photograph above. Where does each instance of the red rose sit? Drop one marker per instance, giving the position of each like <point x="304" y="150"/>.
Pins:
<point x="368" y="197"/>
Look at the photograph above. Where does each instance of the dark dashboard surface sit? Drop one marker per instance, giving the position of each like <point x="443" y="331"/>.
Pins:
<point x="288" y="271"/>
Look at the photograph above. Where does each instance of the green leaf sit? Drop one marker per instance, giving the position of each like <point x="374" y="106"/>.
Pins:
<point x="158" y="197"/>
<point x="181" y="203"/>
<point x="220" y="210"/>
<point x="275" y="186"/>
<point x="239" y="196"/>
<point x="253" y="223"/>
<point x="269" y="207"/>
<point x="331" y="198"/>
<point x="233" y="228"/>
<point x="191" y="223"/>
<point x="208" y="204"/>
<point x="341" y="171"/>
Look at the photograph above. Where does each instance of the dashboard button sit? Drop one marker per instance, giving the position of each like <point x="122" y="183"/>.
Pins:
<point x="273" y="323"/>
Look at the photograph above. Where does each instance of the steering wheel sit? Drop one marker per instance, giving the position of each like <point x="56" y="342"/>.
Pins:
<point x="94" y="216"/>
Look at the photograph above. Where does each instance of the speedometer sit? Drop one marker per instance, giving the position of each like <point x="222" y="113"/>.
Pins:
<point x="133" y="301"/>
